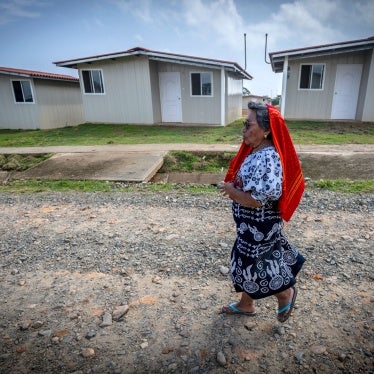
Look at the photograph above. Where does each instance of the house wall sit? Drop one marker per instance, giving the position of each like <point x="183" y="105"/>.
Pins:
<point x="368" y="107"/>
<point x="155" y="91"/>
<point x="56" y="104"/>
<point x="16" y="115"/>
<point x="59" y="102"/>
<point x="234" y="97"/>
<point x="315" y="104"/>
<point x="127" y="94"/>
<point x="202" y="109"/>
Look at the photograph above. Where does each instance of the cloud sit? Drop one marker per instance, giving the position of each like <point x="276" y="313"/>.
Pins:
<point x="11" y="10"/>
<point x="366" y="12"/>
<point x="139" y="37"/>
<point x="140" y="9"/>
<point x="303" y="23"/>
<point x="215" y="20"/>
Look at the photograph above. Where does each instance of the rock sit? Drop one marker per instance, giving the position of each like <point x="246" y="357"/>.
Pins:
<point x="298" y="358"/>
<point x="45" y="333"/>
<point x="280" y="330"/>
<point x="88" y="352"/>
<point x="107" y="320"/>
<point x="221" y="359"/>
<point x="90" y="335"/>
<point x="144" y="345"/>
<point x="318" y="349"/>
<point x="119" y="312"/>
<point x="342" y="357"/>
<point x="224" y="270"/>
<point x="25" y="325"/>
<point x="172" y="367"/>
<point x="37" y="324"/>
<point x="194" y="370"/>
<point x="157" y="280"/>
<point x="250" y="325"/>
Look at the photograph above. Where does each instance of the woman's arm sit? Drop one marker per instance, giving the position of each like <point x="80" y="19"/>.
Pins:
<point x="239" y="196"/>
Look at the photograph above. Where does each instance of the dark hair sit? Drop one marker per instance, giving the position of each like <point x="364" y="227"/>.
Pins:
<point x="262" y="114"/>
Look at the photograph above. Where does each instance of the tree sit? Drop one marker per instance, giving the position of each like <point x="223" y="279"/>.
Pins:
<point x="246" y="92"/>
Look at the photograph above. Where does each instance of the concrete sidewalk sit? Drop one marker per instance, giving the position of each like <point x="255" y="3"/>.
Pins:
<point x="140" y="163"/>
<point x="346" y="149"/>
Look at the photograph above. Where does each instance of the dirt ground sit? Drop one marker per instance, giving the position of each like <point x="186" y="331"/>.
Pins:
<point x="133" y="283"/>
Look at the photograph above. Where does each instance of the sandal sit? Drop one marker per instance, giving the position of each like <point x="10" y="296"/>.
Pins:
<point x="282" y="316"/>
<point x="232" y="309"/>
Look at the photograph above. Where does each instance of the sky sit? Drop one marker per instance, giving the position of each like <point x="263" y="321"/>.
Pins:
<point x="36" y="33"/>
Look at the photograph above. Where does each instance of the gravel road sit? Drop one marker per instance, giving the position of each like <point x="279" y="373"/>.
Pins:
<point x="134" y="282"/>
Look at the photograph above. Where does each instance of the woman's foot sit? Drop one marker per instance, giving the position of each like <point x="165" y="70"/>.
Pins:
<point x="246" y="306"/>
<point x="235" y="308"/>
<point x="286" y="302"/>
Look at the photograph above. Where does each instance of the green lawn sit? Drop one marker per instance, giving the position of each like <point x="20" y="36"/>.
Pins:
<point x="99" y="134"/>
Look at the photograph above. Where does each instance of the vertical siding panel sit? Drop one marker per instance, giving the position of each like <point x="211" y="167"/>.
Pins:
<point x="368" y="106"/>
<point x="365" y="110"/>
<point x="234" y="99"/>
<point x="155" y="91"/>
<point x="197" y="110"/>
<point x="59" y="103"/>
<point x="16" y="115"/>
<point x="315" y="104"/>
<point x="127" y="97"/>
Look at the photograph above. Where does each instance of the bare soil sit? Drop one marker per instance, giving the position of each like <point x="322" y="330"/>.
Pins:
<point x="69" y="261"/>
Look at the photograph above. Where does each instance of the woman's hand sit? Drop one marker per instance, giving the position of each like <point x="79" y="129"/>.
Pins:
<point x="227" y="189"/>
<point x="239" y="196"/>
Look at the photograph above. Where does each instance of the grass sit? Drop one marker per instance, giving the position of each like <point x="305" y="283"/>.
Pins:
<point x="100" y="134"/>
<point x="345" y="185"/>
<point x="40" y="186"/>
<point x="182" y="161"/>
<point x="17" y="162"/>
<point x="331" y="132"/>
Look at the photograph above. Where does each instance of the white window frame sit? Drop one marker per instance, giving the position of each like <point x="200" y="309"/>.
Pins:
<point x="310" y="78"/>
<point x="23" y="96"/>
<point x="91" y="82"/>
<point x="201" y="88"/>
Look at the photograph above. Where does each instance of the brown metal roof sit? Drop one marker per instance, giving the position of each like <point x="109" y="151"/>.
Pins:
<point x="37" y="74"/>
<point x="138" y="51"/>
<point x="277" y="58"/>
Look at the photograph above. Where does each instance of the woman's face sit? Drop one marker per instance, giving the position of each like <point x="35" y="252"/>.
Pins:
<point x="253" y="134"/>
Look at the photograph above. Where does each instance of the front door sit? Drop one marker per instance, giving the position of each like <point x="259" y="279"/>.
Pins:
<point x="170" y="93"/>
<point x="347" y="86"/>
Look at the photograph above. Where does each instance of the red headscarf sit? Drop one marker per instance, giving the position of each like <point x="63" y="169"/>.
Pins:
<point x="293" y="182"/>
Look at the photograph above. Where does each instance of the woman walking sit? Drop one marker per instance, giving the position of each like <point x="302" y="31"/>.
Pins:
<point x="265" y="182"/>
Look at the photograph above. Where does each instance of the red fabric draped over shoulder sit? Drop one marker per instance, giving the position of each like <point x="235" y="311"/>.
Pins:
<point x="237" y="161"/>
<point x="293" y="181"/>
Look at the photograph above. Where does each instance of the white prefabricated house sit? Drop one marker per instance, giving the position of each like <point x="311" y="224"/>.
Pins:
<point x="141" y="86"/>
<point x="33" y="100"/>
<point x="327" y="82"/>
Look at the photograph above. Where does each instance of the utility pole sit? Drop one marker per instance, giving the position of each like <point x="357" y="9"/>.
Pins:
<point x="245" y="51"/>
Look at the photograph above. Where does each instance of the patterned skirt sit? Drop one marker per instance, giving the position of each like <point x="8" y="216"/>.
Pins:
<point x="263" y="262"/>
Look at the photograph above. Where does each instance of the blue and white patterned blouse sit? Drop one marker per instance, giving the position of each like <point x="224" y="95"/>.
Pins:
<point x="261" y="173"/>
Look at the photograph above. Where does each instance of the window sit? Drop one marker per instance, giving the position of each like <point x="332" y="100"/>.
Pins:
<point x="92" y="82"/>
<point x="201" y="84"/>
<point x="22" y="91"/>
<point x="311" y="76"/>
